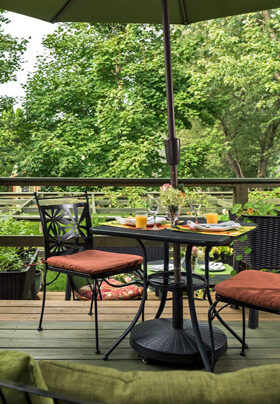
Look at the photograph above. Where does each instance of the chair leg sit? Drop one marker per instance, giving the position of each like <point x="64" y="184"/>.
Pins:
<point x="253" y="321"/>
<point x="68" y="289"/>
<point x="143" y="313"/>
<point x="91" y="302"/>
<point x="211" y="316"/>
<point x="127" y="331"/>
<point x="230" y="329"/>
<point x="40" y="328"/>
<point x="97" y="350"/>
<point x="244" y="346"/>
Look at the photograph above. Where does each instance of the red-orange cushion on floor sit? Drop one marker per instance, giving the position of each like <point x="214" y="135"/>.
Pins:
<point x="109" y="292"/>
<point x="254" y="287"/>
<point x="94" y="261"/>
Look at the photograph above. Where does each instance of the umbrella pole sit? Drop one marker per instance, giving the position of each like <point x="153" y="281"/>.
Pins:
<point x="172" y="144"/>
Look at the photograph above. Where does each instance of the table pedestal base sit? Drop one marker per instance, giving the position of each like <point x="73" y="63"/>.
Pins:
<point x="158" y="340"/>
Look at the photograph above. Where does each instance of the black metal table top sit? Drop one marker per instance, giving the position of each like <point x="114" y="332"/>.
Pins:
<point x="166" y="235"/>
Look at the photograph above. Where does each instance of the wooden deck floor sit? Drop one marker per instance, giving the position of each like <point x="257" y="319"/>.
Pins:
<point x="69" y="333"/>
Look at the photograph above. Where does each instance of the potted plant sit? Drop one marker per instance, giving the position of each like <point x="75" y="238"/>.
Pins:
<point x="17" y="273"/>
<point x="172" y="199"/>
<point x="19" y="278"/>
<point x="222" y="254"/>
<point x="254" y="208"/>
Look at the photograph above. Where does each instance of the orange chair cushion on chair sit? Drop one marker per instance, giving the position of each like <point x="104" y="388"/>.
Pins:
<point x="95" y="261"/>
<point x="254" y="287"/>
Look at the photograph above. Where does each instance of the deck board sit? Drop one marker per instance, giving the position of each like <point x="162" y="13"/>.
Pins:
<point x="69" y="333"/>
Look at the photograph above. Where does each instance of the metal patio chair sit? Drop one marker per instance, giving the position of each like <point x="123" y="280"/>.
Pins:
<point x="252" y="288"/>
<point x="69" y="249"/>
<point x="265" y="250"/>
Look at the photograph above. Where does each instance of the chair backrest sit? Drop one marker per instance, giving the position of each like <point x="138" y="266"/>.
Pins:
<point x="66" y="226"/>
<point x="264" y="242"/>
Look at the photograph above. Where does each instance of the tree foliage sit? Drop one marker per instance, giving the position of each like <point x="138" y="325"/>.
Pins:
<point x="96" y="104"/>
<point x="237" y="65"/>
<point x="11" y="129"/>
<point x="11" y="50"/>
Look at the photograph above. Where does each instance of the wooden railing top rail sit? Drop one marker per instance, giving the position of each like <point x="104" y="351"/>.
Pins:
<point x="137" y="182"/>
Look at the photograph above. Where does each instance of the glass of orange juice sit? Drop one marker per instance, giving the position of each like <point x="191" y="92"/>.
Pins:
<point x="211" y="218"/>
<point x="141" y="219"/>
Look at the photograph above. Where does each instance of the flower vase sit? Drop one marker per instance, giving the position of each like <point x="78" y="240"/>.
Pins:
<point x="173" y="213"/>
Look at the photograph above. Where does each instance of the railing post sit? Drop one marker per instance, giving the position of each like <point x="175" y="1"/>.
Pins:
<point x="240" y="193"/>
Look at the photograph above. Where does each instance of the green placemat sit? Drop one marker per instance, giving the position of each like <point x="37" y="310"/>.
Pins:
<point x="226" y="271"/>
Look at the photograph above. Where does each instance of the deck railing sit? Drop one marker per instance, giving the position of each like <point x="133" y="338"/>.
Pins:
<point x="239" y="188"/>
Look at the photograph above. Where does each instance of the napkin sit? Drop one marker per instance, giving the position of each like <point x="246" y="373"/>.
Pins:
<point x="217" y="226"/>
<point x="131" y="221"/>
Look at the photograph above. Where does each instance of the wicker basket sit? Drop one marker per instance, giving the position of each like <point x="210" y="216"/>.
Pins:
<point x="264" y="242"/>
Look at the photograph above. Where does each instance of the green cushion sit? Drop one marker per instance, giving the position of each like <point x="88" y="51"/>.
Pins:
<point x="247" y="386"/>
<point x="21" y="368"/>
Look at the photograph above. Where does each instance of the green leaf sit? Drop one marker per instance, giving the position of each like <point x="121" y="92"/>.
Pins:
<point x="247" y="250"/>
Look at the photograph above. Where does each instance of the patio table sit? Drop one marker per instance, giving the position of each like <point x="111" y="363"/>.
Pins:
<point x="176" y="340"/>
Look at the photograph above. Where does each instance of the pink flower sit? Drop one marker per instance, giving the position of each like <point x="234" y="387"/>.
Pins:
<point x="164" y="187"/>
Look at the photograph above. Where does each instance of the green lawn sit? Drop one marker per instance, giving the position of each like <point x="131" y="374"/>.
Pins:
<point x="60" y="284"/>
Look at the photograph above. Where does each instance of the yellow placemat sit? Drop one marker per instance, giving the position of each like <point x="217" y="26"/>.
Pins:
<point x="115" y="223"/>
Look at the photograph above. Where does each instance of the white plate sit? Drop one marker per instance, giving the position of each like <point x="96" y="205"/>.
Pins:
<point x="211" y="229"/>
<point x="159" y="267"/>
<point x="214" y="267"/>
<point x="131" y="221"/>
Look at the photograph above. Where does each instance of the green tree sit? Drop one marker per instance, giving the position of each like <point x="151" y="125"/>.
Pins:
<point x="237" y="64"/>
<point x="96" y="105"/>
<point x="11" y="129"/>
<point x="11" y="50"/>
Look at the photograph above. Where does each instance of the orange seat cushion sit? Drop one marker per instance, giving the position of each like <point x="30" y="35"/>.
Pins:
<point x="254" y="287"/>
<point x="95" y="261"/>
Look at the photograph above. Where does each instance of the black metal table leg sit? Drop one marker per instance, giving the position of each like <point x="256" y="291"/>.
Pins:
<point x="165" y="281"/>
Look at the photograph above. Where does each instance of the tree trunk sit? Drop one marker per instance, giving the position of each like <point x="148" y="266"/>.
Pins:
<point x="262" y="167"/>
<point x="231" y="159"/>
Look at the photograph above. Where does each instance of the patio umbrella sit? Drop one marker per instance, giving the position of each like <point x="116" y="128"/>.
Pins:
<point x="143" y="11"/>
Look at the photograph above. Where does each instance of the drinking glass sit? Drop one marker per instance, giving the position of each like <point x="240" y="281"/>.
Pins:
<point x="153" y="207"/>
<point x="212" y="218"/>
<point x="195" y="207"/>
<point x="141" y="219"/>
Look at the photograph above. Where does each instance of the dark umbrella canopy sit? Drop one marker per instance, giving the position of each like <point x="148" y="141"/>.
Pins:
<point x="134" y="11"/>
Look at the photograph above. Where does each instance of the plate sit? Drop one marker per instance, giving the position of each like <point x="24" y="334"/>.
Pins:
<point x="131" y="221"/>
<point x="216" y="229"/>
<point x="159" y="267"/>
<point x="214" y="267"/>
